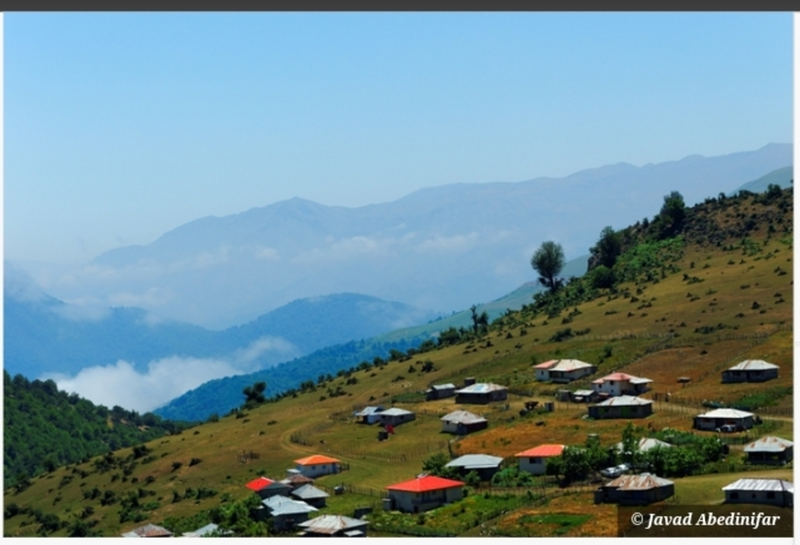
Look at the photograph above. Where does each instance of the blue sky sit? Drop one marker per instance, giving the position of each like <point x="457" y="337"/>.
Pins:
<point x="119" y="127"/>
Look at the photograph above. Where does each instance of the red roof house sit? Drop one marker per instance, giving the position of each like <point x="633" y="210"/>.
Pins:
<point x="267" y="488"/>
<point x="534" y="460"/>
<point x="424" y="493"/>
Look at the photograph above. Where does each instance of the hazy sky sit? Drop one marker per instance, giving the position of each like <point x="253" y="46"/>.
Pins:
<point x="119" y="127"/>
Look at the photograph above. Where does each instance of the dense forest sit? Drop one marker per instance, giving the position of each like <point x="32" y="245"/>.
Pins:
<point x="46" y="428"/>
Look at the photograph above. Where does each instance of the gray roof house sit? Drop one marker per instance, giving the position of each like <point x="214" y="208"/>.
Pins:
<point x="714" y="420"/>
<point x="440" y="391"/>
<point x="334" y="526"/>
<point x="623" y="406"/>
<point x="396" y="416"/>
<point x="369" y="415"/>
<point x="750" y="371"/>
<point x="770" y="450"/>
<point x="641" y="489"/>
<point x="770" y="491"/>
<point x="481" y="393"/>
<point x="311" y="495"/>
<point x="463" y="422"/>
<point x="148" y="530"/>
<point x="483" y="464"/>
<point x="286" y="513"/>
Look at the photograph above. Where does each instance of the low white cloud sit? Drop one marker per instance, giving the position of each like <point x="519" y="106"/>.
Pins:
<point x="166" y="378"/>
<point x="454" y="243"/>
<point x="270" y="254"/>
<point x="151" y="297"/>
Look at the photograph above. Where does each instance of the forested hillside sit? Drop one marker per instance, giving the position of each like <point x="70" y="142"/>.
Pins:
<point x="46" y="428"/>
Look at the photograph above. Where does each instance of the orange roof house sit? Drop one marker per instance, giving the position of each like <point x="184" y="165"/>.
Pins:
<point x="317" y="465"/>
<point x="534" y="460"/>
<point x="424" y="493"/>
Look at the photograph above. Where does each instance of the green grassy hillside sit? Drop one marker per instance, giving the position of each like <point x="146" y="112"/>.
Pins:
<point x="688" y="300"/>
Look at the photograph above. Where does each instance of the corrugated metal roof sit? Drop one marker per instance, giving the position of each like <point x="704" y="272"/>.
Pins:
<point x="297" y="479"/>
<point x="646" y="443"/>
<point x="726" y="413"/>
<point x="281" y="505"/>
<point x="542" y="451"/>
<point x="463" y="417"/>
<point x="622" y="377"/>
<point x="546" y="365"/>
<point x="753" y="365"/>
<point x="331" y="524"/>
<point x="200" y="532"/>
<point x="763" y="485"/>
<point x="148" y="530"/>
<point x="316" y="459"/>
<point x="309" y="492"/>
<point x="366" y="411"/>
<point x="624" y="401"/>
<point x="426" y="483"/>
<point x="768" y="444"/>
<point x="443" y="387"/>
<point x="475" y="461"/>
<point x="481" y="388"/>
<point x="395" y="411"/>
<point x="570" y="365"/>
<point x="645" y="481"/>
<point x="583" y="393"/>
<point x="258" y="484"/>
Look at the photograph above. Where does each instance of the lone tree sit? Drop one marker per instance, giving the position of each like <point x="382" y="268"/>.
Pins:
<point x="607" y="249"/>
<point x="672" y="214"/>
<point x="254" y="395"/>
<point x="548" y="262"/>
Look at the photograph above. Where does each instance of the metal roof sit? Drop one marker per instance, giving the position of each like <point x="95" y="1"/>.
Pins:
<point x="645" y="481"/>
<point x="425" y="483"/>
<point x="623" y="401"/>
<point x="443" y="386"/>
<point x="583" y="393"/>
<point x="309" y="492"/>
<point x="316" y="459"/>
<point x="622" y="377"/>
<point x="753" y="365"/>
<point x="570" y="365"/>
<point x="331" y="524"/>
<point x="395" y="411"/>
<point x="763" y="485"/>
<point x="207" y="529"/>
<point x="475" y="461"/>
<point x="646" y="443"/>
<point x="281" y="505"/>
<point x="148" y="530"/>
<point x="463" y="417"/>
<point x="369" y="410"/>
<point x="768" y="444"/>
<point x="542" y="451"/>
<point x="546" y="365"/>
<point x="259" y="483"/>
<point x="726" y="413"/>
<point x="481" y="388"/>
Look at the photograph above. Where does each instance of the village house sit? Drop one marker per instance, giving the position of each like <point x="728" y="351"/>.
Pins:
<point x="206" y="530"/>
<point x="534" y="460"/>
<point x="750" y="371"/>
<point x="396" y="416"/>
<point x="266" y="488"/>
<point x="333" y="526"/>
<point x="463" y="422"/>
<point x="769" y="491"/>
<point x="716" y="419"/>
<point x="623" y="406"/>
<point x="481" y="393"/>
<point x="287" y="513"/>
<point x="148" y="530"/>
<point x="617" y="384"/>
<point x="482" y="464"/>
<point x="296" y="479"/>
<point x="563" y="371"/>
<point x="647" y="443"/>
<point x="440" y="391"/>
<point x="769" y="450"/>
<point x="641" y="489"/>
<point x="311" y="495"/>
<point x="317" y="465"/>
<point x="369" y="415"/>
<point x="423" y="493"/>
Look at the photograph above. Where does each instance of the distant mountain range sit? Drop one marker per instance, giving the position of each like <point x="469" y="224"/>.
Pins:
<point x="441" y="248"/>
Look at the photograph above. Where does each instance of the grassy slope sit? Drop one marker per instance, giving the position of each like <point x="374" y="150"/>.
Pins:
<point x="640" y="343"/>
